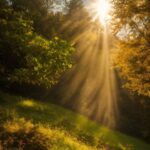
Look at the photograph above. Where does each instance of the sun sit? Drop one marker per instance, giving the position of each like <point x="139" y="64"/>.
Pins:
<point x="103" y="8"/>
<point x="100" y="9"/>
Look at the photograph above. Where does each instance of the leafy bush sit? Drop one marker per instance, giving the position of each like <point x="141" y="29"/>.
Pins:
<point x="45" y="61"/>
<point x="23" y="135"/>
<point x="26" y="57"/>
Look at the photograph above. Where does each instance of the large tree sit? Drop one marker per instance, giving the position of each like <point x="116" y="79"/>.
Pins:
<point x="27" y="57"/>
<point x="47" y="15"/>
<point x="131" y="25"/>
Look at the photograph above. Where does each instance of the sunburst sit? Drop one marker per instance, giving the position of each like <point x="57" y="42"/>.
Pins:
<point x="100" y="9"/>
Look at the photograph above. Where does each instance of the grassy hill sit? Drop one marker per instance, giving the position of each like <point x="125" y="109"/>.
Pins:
<point x="31" y="124"/>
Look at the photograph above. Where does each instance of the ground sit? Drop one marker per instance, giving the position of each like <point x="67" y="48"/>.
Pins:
<point x="56" y="127"/>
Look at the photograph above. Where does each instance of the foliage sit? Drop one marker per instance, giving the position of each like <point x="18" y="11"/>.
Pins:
<point x="25" y="56"/>
<point x="22" y="134"/>
<point x="133" y="61"/>
<point x="35" y="10"/>
<point x="14" y="33"/>
<point x="131" y="23"/>
<point x="77" y="20"/>
<point x="46" y="63"/>
<point x="47" y="21"/>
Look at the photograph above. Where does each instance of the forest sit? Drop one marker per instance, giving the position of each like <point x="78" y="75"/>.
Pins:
<point x="74" y="75"/>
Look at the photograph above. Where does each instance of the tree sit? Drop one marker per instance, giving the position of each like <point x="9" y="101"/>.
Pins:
<point x="77" y="20"/>
<point x="131" y="24"/>
<point x="47" y="20"/>
<point x="15" y="32"/>
<point x="25" y="56"/>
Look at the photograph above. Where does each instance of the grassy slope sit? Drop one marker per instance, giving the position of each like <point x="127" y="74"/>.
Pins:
<point x="76" y="131"/>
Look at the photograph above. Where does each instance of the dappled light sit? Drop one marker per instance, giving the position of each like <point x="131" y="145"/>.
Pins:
<point x="27" y="103"/>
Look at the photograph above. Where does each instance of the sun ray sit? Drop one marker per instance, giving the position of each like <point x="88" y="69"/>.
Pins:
<point x="90" y="87"/>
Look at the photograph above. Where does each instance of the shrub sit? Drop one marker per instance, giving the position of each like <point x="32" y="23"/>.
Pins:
<point x="24" y="136"/>
<point x="28" y="58"/>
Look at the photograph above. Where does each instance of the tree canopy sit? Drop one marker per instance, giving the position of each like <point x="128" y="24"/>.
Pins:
<point x="131" y="25"/>
<point x="27" y="57"/>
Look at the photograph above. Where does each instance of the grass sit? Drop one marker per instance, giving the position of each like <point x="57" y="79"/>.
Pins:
<point x="65" y="129"/>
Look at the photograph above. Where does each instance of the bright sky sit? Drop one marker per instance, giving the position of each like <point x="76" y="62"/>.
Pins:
<point x="99" y="9"/>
